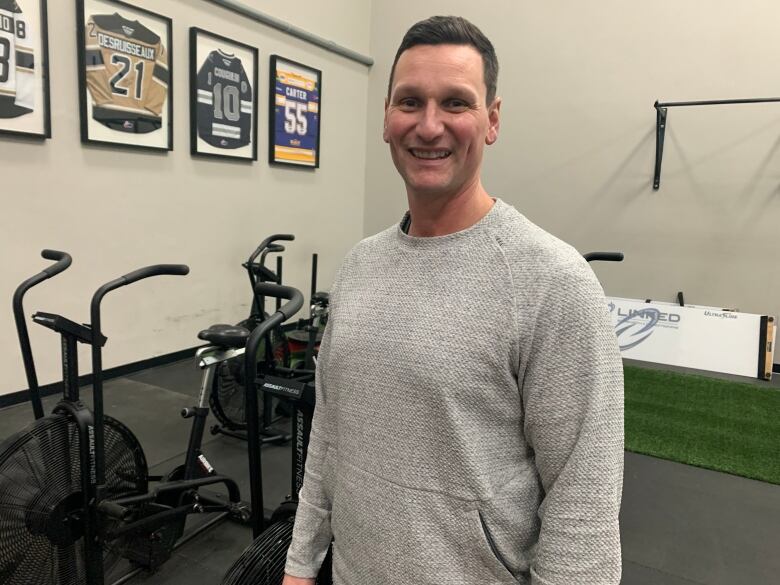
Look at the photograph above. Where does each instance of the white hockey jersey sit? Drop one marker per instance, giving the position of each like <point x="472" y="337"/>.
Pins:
<point x="17" y="62"/>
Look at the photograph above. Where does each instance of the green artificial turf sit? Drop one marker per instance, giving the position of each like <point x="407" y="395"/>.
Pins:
<point x="707" y="422"/>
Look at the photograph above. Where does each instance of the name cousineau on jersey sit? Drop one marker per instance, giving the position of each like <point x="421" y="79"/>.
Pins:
<point x="124" y="46"/>
<point x="224" y="74"/>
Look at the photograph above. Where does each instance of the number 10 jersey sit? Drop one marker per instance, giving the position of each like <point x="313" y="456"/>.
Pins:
<point x="127" y="73"/>
<point x="224" y="101"/>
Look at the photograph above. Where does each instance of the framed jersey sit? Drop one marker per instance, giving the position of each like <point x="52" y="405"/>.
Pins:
<point x="125" y="75"/>
<point x="223" y="97"/>
<point x="294" y="124"/>
<point x="24" y="73"/>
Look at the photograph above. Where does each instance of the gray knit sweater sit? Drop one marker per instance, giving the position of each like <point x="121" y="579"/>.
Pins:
<point x="469" y="419"/>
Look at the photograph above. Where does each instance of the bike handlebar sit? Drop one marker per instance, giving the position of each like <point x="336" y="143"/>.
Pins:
<point x="266" y="243"/>
<point x="156" y="270"/>
<point x="62" y="259"/>
<point x="130" y="278"/>
<point x="278" y="291"/>
<point x="604" y="256"/>
<point x="62" y="262"/>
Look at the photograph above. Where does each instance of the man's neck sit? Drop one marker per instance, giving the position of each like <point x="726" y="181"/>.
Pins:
<point x="438" y="216"/>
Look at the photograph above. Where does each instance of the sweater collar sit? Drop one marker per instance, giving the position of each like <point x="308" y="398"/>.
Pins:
<point x="491" y="218"/>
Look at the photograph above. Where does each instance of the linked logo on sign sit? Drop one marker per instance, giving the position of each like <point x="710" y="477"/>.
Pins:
<point x="635" y="326"/>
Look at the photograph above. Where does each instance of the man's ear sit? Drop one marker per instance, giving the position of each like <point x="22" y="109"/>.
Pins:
<point x="384" y="130"/>
<point x="493" y="121"/>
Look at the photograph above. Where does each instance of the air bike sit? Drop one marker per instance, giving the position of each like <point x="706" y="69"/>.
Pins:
<point x="75" y="492"/>
<point x="263" y="562"/>
<point x="227" y="396"/>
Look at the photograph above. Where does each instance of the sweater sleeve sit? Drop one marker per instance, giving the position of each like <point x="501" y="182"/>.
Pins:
<point x="572" y="391"/>
<point x="312" y="533"/>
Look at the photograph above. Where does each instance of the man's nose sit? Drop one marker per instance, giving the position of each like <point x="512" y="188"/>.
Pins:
<point x="430" y="125"/>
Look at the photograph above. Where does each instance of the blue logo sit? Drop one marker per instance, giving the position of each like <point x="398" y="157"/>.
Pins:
<point x="635" y="327"/>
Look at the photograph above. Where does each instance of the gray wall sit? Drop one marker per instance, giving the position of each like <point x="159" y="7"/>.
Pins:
<point x="576" y="148"/>
<point x="115" y="210"/>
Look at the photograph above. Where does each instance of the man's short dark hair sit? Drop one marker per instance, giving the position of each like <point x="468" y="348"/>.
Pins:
<point x="452" y="30"/>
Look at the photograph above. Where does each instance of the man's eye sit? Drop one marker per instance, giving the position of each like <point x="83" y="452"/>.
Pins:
<point x="407" y="103"/>
<point x="457" y="104"/>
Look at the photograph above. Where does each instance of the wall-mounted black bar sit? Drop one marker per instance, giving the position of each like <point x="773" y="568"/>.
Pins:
<point x="660" y="124"/>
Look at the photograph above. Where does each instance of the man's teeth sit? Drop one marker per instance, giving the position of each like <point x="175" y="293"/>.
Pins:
<point x="431" y="153"/>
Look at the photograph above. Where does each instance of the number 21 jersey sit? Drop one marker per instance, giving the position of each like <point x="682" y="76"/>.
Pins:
<point x="127" y="73"/>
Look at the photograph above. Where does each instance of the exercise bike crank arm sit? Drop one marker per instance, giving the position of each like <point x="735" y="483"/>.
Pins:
<point x="234" y="495"/>
<point x="150" y="522"/>
<point x="62" y="261"/>
<point x="114" y="510"/>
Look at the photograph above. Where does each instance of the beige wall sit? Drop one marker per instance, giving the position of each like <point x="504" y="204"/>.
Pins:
<point x="577" y="141"/>
<point x="115" y="210"/>
<point x="575" y="155"/>
<point x="345" y="22"/>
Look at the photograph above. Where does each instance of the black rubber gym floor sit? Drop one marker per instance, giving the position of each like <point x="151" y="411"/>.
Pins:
<point x="680" y="525"/>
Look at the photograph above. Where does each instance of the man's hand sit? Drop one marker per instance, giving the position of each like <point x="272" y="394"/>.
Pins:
<point x="290" y="580"/>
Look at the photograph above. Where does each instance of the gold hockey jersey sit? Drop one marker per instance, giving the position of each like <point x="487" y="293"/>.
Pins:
<point x="127" y="73"/>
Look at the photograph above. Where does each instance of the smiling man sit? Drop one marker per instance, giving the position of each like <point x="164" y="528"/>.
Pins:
<point x="469" y="420"/>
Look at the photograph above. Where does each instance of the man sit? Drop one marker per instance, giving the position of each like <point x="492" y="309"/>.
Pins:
<point x="469" y="421"/>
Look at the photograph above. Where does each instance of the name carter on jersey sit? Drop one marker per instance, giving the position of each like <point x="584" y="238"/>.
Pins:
<point x="295" y="93"/>
<point x="123" y="46"/>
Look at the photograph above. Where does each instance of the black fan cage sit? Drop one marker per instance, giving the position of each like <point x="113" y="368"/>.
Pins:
<point x="262" y="563"/>
<point x="40" y="489"/>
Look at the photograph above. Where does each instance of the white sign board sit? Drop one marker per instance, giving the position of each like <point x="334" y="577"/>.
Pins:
<point x="703" y="338"/>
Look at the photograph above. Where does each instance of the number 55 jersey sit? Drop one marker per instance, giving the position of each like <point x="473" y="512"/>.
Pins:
<point x="224" y="101"/>
<point x="127" y="73"/>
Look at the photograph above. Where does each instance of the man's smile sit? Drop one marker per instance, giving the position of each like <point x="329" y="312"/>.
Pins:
<point x="429" y="154"/>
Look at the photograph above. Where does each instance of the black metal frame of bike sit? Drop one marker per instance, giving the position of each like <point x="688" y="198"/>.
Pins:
<point x="263" y="562"/>
<point x="94" y="506"/>
<point x="257" y="271"/>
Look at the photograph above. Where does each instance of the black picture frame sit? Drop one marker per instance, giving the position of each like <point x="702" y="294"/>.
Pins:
<point x="217" y="64"/>
<point x="26" y="120"/>
<point x="126" y="77"/>
<point x="280" y="149"/>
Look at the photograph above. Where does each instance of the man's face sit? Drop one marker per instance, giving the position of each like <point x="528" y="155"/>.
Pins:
<point x="436" y="119"/>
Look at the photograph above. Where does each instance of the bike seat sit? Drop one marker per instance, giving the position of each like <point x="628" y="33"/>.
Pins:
<point x="225" y="335"/>
<point x="320" y="298"/>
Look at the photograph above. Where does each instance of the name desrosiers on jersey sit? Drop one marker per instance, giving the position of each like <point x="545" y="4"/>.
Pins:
<point x="297" y="110"/>
<point x="127" y="73"/>
<point x="224" y="101"/>
<point x="17" y="62"/>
